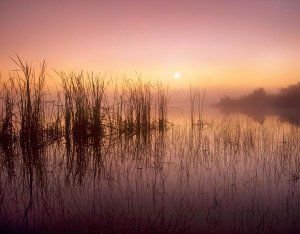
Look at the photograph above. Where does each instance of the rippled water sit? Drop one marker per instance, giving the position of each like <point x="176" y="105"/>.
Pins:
<point x="233" y="175"/>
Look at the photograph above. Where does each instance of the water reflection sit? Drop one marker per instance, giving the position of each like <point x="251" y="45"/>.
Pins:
<point x="291" y="116"/>
<point x="234" y="175"/>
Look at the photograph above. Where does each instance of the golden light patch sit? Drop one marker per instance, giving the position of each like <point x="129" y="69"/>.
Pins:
<point x="177" y="76"/>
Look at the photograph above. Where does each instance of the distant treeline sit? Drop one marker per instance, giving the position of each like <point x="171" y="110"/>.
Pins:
<point x="286" y="98"/>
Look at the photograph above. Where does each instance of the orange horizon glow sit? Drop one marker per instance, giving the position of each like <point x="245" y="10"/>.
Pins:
<point x="227" y="45"/>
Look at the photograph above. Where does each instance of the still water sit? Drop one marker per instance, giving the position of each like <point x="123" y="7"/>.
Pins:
<point x="231" y="174"/>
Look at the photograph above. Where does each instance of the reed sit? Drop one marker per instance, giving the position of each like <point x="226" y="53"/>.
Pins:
<point x="29" y="88"/>
<point x="162" y="107"/>
<point x="139" y="108"/>
<point x="77" y="120"/>
<point x="7" y="129"/>
<point x="123" y="169"/>
<point x="28" y="115"/>
<point x="83" y="109"/>
<point x="226" y="183"/>
<point x="197" y="106"/>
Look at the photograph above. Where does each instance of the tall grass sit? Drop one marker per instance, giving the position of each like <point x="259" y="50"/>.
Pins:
<point x="197" y="105"/>
<point x="90" y="112"/>
<point x="85" y="105"/>
<point x="162" y="102"/>
<point x="126" y="171"/>
<point x="82" y="110"/>
<point x="31" y="103"/>
<point x="28" y="116"/>
<point x="242" y="178"/>
<point x="7" y="113"/>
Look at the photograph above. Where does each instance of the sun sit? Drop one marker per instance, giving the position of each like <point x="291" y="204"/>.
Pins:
<point x="177" y="76"/>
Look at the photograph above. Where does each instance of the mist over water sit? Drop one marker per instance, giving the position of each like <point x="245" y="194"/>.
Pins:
<point x="150" y="116"/>
<point x="141" y="159"/>
<point x="259" y="104"/>
<point x="236" y="174"/>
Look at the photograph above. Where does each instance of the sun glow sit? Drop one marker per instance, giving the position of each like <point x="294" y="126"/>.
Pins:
<point x="176" y="76"/>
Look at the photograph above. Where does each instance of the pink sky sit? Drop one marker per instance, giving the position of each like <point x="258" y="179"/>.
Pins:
<point x="226" y="44"/>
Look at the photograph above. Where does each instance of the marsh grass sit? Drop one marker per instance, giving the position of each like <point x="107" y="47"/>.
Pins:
<point x="139" y="108"/>
<point x="234" y="180"/>
<point x="198" y="105"/>
<point x="82" y="110"/>
<point x="7" y="113"/>
<point x="85" y="108"/>
<point x="96" y="160"/>
<point x="27" y="116"/>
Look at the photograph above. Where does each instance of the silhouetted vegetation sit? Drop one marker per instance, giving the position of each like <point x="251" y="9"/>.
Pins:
<point x="101" y="157"/>
<point x="82" y="111"/>
<point x="285" y="104"/>
<point x="286" y="98"/>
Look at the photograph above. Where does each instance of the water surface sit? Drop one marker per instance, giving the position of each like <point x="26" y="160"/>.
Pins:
<point x="232" y="174"/>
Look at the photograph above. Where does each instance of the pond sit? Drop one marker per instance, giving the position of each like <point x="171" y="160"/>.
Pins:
<point x="230" y="174"/>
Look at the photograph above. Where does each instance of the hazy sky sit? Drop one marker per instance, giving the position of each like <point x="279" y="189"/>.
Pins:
<point x="227" y="44"/>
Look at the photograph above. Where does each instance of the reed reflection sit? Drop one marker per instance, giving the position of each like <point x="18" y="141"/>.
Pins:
<point x="93" y="164"/>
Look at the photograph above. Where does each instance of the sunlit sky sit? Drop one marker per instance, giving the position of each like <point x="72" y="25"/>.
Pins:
<point x="224" y="44"/>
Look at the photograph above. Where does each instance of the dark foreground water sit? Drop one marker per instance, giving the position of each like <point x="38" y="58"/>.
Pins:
<point x="233" y="175"/>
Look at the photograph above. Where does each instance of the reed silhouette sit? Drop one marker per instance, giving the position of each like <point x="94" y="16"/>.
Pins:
<point x="102" y="157"/>
<point x="31" y="116"/>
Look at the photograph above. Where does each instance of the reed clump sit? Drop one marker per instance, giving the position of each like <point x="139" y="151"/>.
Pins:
<point x="197" y="105"/>
<point x="31" y="104"/>
<point x="7" y="113"/>
<point x="140" y="108"/>
<point x="162" y="109"/>
<point x="26" y="117"/>
<point x="83" y="110"/>
<point x="235" y="176"/>
<point x="135" y="109"/>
